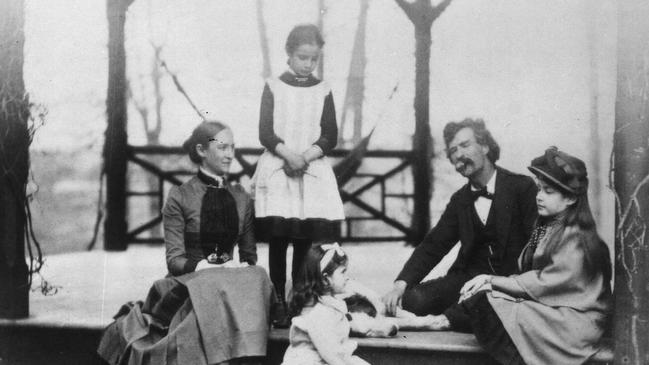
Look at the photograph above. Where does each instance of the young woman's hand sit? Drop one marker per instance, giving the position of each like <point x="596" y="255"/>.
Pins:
<point x="295" y="165"/>
<point x="233" y="264"/>
<point x="204" y="264"/>
<point x="312" y="153"/>
<point x="477" y="284"/>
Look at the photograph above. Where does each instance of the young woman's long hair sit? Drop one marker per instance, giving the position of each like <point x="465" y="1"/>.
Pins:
<point x="596" y="254"/>
<point x="310" y="283"/>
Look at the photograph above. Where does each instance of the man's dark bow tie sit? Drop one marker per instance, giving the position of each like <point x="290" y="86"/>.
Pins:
<point x="475" y="194"/>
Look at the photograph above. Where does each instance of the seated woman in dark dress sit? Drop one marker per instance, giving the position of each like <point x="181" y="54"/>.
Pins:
<point x="204" y="217"/>
<point x="210" y="309"/>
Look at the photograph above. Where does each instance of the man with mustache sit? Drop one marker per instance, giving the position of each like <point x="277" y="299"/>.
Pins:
<point x="491" y="216"/>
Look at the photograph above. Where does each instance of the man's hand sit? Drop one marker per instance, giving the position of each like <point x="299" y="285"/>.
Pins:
<point x="392" y="299"/>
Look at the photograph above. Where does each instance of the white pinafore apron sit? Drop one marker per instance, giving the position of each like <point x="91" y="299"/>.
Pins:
<point x="297" y="112"/>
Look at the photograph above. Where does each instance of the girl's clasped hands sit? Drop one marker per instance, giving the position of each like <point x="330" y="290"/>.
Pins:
<point x="295" y="165"/>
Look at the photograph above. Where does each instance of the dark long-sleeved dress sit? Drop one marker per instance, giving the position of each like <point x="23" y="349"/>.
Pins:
<point x="196" y="317"/>
<point x="182" y="220"/>
<point x="562" y="320"/>
<point x="298" y="112"/>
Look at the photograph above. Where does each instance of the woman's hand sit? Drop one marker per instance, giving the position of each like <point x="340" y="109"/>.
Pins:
<point x="312" y="153"/>
<point x="295" y="165"/>
<point x="233" y="264"/>
<point x="203" y="264"/>
<point x="477" y="284"/>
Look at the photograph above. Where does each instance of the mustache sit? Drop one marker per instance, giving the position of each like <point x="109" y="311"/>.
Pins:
<point x="464" y="161"/>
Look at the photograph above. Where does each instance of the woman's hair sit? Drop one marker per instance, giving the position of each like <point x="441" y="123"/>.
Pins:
<point x="481" y="133"/>
<point x="202" y="135"/>
<point x="310" y="282"/>
<point x="579" y="215"/>
<point x="303" y="34"/>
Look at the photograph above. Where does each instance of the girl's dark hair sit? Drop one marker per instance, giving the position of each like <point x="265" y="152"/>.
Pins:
<point x="310" y="282"/>
<point x="202" y="135"/>
<point x="303" y="34"/>
<point x="596" y="253"/>
<point x="481" y="133"/>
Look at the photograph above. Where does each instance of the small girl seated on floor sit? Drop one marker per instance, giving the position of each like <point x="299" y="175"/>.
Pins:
<point x="327" y="306"/>
<point x="320" y="330"/>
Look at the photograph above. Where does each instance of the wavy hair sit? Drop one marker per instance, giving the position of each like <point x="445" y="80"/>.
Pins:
<point x="482" y="136"/>
<point x="310" y="283"/>
<point x="578" y="215"/>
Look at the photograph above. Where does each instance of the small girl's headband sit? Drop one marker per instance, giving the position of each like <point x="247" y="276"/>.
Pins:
<point x="329" y="251"/>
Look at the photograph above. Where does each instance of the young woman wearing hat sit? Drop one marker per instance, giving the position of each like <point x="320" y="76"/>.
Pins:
<point x="555" y="310"/>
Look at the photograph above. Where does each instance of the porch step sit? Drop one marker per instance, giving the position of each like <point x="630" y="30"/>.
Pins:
<point x="29" y="344"/>
<point x="35" y="345"/>
<point x="416" y="348"/>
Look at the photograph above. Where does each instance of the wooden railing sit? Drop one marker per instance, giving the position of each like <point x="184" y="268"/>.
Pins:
<point x="379" y="218"/>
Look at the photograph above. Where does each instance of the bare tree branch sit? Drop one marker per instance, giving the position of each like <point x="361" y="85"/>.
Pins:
<point x="141" y="109"/>
<point x="181" y="89"/>
<point x="422" y="12"/>
<point x="611" y="183"/>
<point x="411" y="9"/>
<point x="155" y="77"/>
<point x="633" y="201"/>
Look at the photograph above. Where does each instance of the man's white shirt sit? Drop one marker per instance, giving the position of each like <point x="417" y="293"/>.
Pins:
<point x="482" y="204"/>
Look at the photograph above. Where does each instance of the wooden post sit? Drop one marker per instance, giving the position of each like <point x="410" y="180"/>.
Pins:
<point x="422" y="14"/>
<point x="14" y="162"/>
<point x="631" y="181"/>
<point x="115" y="227"/>
<point x="422" y="143"/>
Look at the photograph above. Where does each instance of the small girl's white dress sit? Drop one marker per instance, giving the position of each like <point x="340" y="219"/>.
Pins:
<point x="326" y="318"/>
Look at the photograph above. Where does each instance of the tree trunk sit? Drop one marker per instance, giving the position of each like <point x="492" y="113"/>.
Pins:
<point x="422" y="14"/>
<point x="595" y="143"/>
<point x="115" y="227"/>
<point x="14" y="162"/>
<point x="322" y="9"/>
<point x="353" y="103"/>
<point x="266" y="70"/>
<point x="631" y="174"/>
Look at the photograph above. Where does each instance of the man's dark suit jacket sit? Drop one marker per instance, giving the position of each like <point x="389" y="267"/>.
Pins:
<point x="515" y="213"/>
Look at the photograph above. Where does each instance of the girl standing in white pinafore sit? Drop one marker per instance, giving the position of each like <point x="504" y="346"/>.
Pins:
<point x="295" y="190"/>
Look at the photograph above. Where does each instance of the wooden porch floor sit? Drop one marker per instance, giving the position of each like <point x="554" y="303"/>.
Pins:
<point x="93" y="285"/>
<point x="65" y="328"/>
